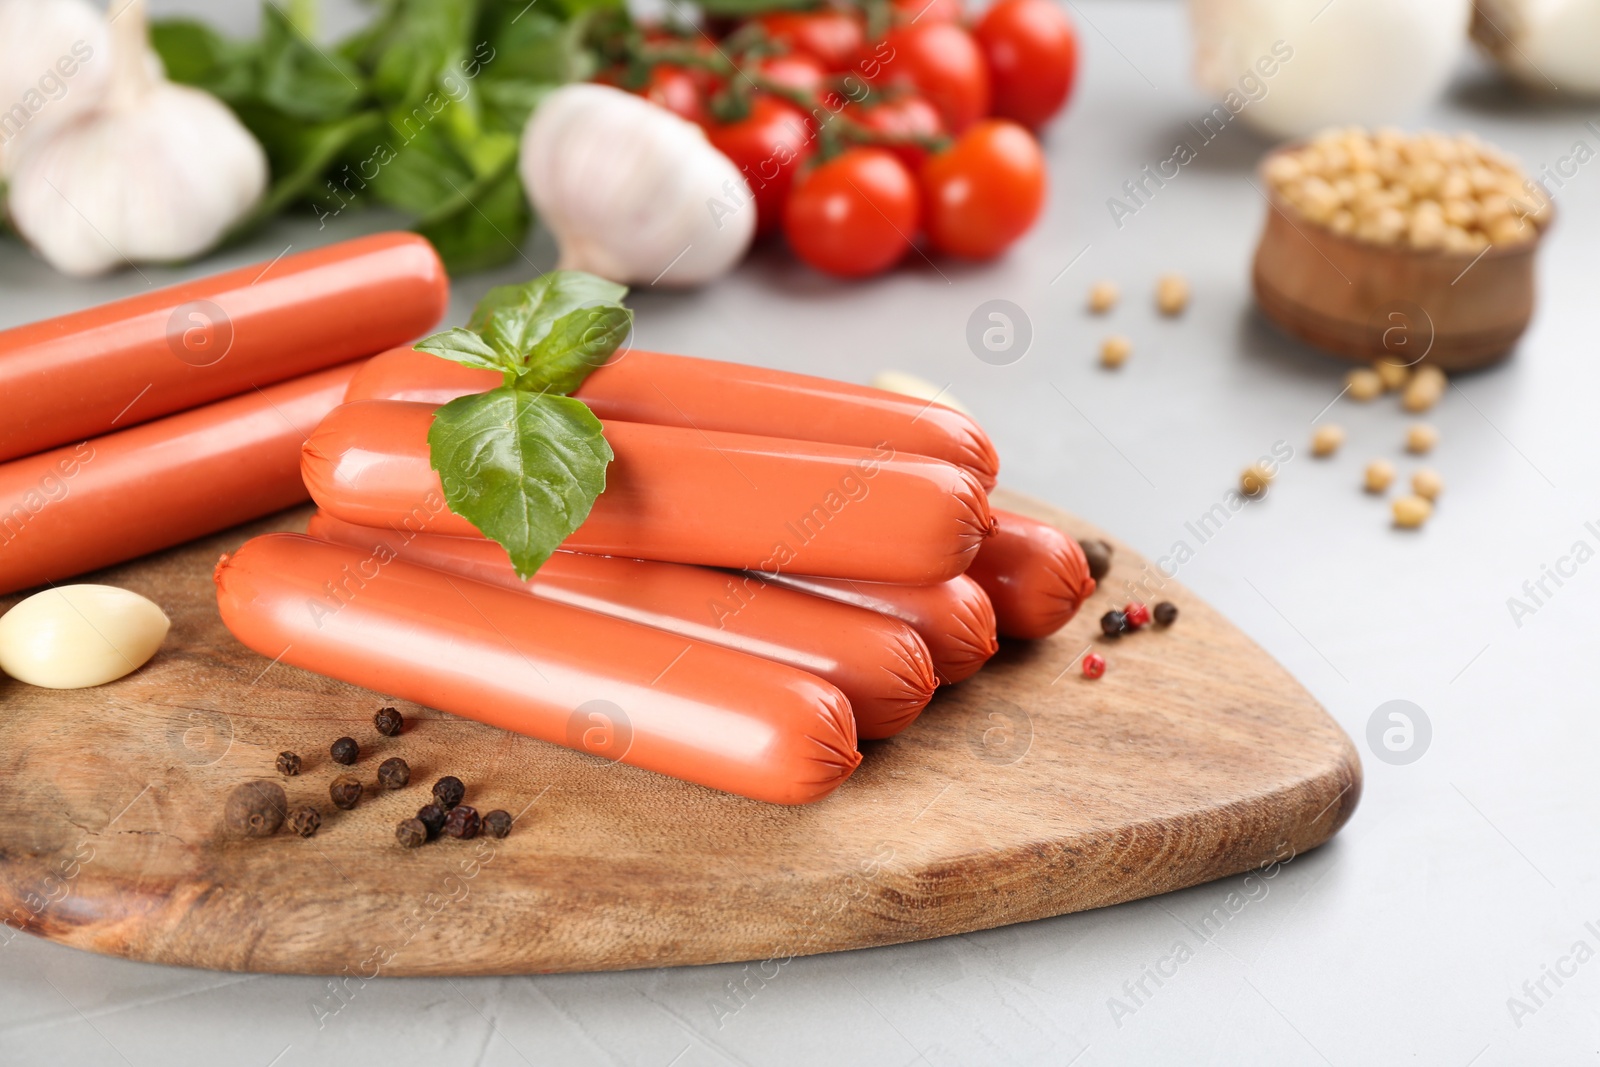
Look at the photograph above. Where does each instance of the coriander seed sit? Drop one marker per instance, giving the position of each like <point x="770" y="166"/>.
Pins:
<point x="389" y="722"/>
<point x="431" y="816"/>
<point x="305" y="821"/>
<point x="345" y="791"/>
<point x="462" y="822"/>
<point x="497" y="823"/>
<point x="394" y="773"/>
<point x="344" y="751"/>
<point x="449" y="791"/>
<point x="255" y="809"/>
<point x="411" y="833"/>
<point x="288" y="764"/>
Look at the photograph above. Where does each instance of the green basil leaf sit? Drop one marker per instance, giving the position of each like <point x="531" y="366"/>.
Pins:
<point x="524" y="468"/>
<point x="483" y="227"/>
<point x="515" y="318"/>
<point x="195" y="54"/>
<point x="301" y="79"/>
<point x="577" y="343"/>
<point x="422" y="46"/>
<point x="464" y="346"/>
<point x="301" y="153"/>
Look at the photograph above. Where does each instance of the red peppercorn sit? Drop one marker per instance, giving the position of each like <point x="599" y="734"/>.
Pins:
<point x="1094" y="665"/>
<point x="1137" y="615"/>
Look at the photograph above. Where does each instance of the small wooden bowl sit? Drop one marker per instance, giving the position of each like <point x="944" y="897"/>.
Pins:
<point x="1363" y="301"/>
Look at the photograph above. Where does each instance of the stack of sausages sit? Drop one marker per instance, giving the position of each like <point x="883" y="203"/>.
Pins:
<point x="779" y="566"/>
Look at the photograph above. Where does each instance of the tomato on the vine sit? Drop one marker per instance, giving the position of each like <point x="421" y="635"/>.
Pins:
<point x="831" y="37"/>
<point x="767" y="145"/>
<point x="942" y="63"/>
<point x="1032" y="51"/>
<point x="677" y="89"/>
<point x="985" y="191"/>
<point x="905" y="116"/>
<point x="854" y="215"/>
<point x="927" y="10"/>
<point x="797" y="71"/>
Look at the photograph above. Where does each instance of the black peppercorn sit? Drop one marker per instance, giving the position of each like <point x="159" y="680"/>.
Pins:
<point x="345" y="750"/>
<point x="1098" y="554"/>
<point x="389" y="722"/>
<point x="1166" y="613"/>
<point x="345" y="791"/>
<point x="393" y="773"/>
<point x="462" y="822"/>
<point x="449" y="791"/>
<point x="288" y="764"/>
<point x="431" y="816"/>
<point x="411" y="833"/>
<point x="1113" y="623"/>
<point x="255" y="809"/>
<point x="497" y="823"/>
<point x="305" y="821"/>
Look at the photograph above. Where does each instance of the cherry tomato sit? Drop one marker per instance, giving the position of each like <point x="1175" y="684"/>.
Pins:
<point x="854" y="215"/>
<point x="902" y="117"/>
<point x="674" y="88"/>
<point x="797" y="71"/>
<point x="985" y="192"/>
<point x="767" y="146"/>
<point x="831" y="37"/>
<point x="942" y="63"/>
<point x="907" y="11"/>
<point x="1032" y="50"/>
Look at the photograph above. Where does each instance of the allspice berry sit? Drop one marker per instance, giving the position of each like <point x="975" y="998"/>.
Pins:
<point x="344" y="751"/>
<point x="431" y="816"/>
<point x="1166" y="613"/>
<point x="389" y="722"/>
<point x="411" y="833"/>
<point x="288" y="764"/>
<point x="1098" y="554"/>
<point x="1113" y="623"/>
<point x="449" y="791"/>
<point x="305" y="821"/>
<point x="255" y="809"/>
<point x="345" y="791"/>
<point x="462" y="822"/>
<point x="393" y="773"/>
<point x="497" y="823"/>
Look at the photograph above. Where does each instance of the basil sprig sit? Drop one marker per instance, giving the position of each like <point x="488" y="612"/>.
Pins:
<point x="525" y="462"/>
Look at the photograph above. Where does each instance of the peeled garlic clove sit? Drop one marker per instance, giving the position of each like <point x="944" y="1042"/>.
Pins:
<point x="898" y="381"/>
<point x="54" y="62"/>
<point x="75" y="636"/>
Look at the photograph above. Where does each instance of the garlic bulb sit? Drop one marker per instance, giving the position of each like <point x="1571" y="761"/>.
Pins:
<point x="1292" y="67"/>
<point x="631" y="191"/>
<point x="155" y="172"/>
<point x="74" y="636"/>
<point x="1544" y="44"/>
<point x="54" y="59"/>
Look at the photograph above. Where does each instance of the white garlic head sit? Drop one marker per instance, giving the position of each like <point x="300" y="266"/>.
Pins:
<point x="632" y="192"/>
<point x="74" y="636"/>
<point x="1547" y="45"/>
<point x="156" y="172"/>
<point x="1350" y="62"/>
<point x="54" y="63"/>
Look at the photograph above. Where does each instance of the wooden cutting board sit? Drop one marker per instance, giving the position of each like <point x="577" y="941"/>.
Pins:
<point x="1025" y="792"/>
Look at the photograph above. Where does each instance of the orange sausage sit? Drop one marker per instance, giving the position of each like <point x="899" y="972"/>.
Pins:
<point x="686" y="496"/>
<point x="149" y="487"/>
<point x="107" y="368"/>
<point x="706" y="394"/>
<point x="954" y="618"/>
<point x="600" y="685"/>
<point x="878" y="663"/>
<point x="1035" y="575"/>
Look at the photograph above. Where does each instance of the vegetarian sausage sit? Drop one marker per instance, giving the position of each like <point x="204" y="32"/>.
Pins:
<point x="600" y="685"/>
<point x="686" y="496"/>
<point x="706" y="394"/>
<point x="107" y="368"/>
<point x="954" y="618"/>
<point x="1035" y="575"/>
<point x="149" y="487"/>
<point x="878" y="663"/>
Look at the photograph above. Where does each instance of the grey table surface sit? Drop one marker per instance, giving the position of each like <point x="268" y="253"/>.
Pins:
<point x="1464" y="880"/>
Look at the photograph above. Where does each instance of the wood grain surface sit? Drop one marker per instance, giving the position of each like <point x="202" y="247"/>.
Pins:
<point x="1024" y="792"/>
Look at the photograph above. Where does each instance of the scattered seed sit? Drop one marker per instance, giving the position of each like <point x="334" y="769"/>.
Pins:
<point x="345" y="791"/>
<point x="344" y="751"/>
<point x="305" y="821"/>
<point x="1255" y="479"/>
<point x="411" y="833"/>
<point x="394" y="773"/>
<point x="1380" y="475"/>
<point x="1103" y="297"/>
<point x="1421" y="438"/>
<point x="1427" y="484"/>
<point x="1424" y="389"/>
<point x="1114" y="350"/>
<point x="1137" y="615"/>
<point x="432" y="816"/>
<point x="1166" y="613"/>
<point x="288" y="764"/>
<point x="1364" y="384"/>
<point x="1098" y="555"/>
<point x="389" y="722"/>
<point x="1094" y="665"/>
<point x="1411" y="511"/>
<point x="1393" y="375"/>
<point x="1327" y="439"/>
<point x="255" y="809"/>
<point x="497" y="823"/>
<point x="462" y="822"/>
<point x="1113" y="623"/>
<point x="1172" y="294"/>
<point x="449" y="791"/>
